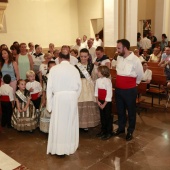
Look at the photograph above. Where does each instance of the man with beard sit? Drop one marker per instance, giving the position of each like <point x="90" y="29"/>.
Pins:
<point x="129" y="74"/>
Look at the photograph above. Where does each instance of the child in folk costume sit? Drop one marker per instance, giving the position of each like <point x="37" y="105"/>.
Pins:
<point x="103" y="94"/>
<point x="45" y="115"/>
<point x="35" y="89"/>
<point x="7" y="101"/>
<point x="24" y="117"/>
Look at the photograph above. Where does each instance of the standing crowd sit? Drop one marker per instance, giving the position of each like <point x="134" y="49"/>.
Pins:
<point x="69" y="89"/>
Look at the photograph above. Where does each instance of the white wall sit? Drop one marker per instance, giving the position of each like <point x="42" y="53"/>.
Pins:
<point x="41" y="21"/>
<point x="87" y="10"/>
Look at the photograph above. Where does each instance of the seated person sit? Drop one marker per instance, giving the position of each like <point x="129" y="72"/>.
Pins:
<point x="147" y="74"/>
<point x="136" y="52"/>
<point x="145" y="55"/>
<point x="154" y="57"/>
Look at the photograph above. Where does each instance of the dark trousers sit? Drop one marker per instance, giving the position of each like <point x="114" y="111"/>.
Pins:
<point x="6" y="113"/>
<point x="106" y="118"/>
<point x="37" y="103"/>
<point x="126" y="100"/>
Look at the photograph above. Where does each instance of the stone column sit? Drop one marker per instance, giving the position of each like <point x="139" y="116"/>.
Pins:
<point x="110" y="22"/>
<point x="110" y="26"/>
<point x="131" y="21"/>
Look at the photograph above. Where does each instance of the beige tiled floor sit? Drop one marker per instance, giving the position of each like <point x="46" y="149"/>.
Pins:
<point x="149" y="149"/>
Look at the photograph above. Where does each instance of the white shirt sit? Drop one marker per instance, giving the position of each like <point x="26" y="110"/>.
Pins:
<point x="130" y="67"/>
<point x="7" y="90"/>
<point x="57" y="60"/>
<point x="114" y="62"/>
<point x="92" y="52"/>
<point x="43" y="68"/>
<point x="145" y="43"/>
<point x="97" y="43"/>
<point x="84" y="44"/>
<point x="104" y="83"/>
<point x="78" y="48"/>
<point x="73" y="60"/>
<point x="147" y="75"/>
<point x="141" y="58"/>
<point x="35" y="85"/>
<point x="37" y="62"/>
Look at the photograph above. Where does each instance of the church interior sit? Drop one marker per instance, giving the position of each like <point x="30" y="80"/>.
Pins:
<point x="62" y="22"/>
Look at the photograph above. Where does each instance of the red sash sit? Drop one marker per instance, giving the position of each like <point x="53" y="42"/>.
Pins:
<point x="123" y="82"/>
<point x="34" y="96"/>
<point x="102" y="94"/>
<point x="4" y="98"/>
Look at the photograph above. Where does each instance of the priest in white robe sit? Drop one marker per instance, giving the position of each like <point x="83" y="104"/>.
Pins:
<point x="63" y="90"/>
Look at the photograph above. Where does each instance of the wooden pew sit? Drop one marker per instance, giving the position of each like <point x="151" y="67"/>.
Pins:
<point x="153" y="64"/>
<point x="157" y="70"/>
<point x="157" y="80"/>
<point x="141" y="90"/>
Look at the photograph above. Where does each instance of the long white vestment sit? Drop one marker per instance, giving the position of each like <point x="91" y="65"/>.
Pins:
<point x="63" y="90"/>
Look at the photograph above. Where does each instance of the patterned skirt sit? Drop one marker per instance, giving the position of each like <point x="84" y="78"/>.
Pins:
<point x="89" y="115"/>
<point x="25" y="121"/>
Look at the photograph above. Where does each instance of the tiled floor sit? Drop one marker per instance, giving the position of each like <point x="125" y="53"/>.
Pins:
<point x="149" y="149"/>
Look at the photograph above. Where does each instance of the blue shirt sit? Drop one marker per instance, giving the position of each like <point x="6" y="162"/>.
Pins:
<point x="8" y="69"/>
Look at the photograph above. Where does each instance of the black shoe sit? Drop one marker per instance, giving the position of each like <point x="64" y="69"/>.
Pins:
<point x="118" y="132"/>
<point x="61" y="156"/>
<point x="106" y="137"/>
<point x="129" y="136"/>
<point x="100" y="134"/>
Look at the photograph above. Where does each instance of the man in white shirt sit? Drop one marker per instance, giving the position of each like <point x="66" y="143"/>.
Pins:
<point x="38" y="58"/>
<point x="92" y="50"/>
<point x="84" y="42"/>
<point x="129" y="74"/>
<point x="97" y="41"/>
<point x="101" y="58"/>
<point x="145" y="43"/>
<point x="78" y="45"/>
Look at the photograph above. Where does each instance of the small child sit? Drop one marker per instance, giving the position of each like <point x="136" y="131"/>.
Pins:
<point x="45" y="115"/>
<point x="35" y="89"/>
<point x="103" y="94"/>
<point x="24" y="117"/>
<point x="7" y="101"/>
